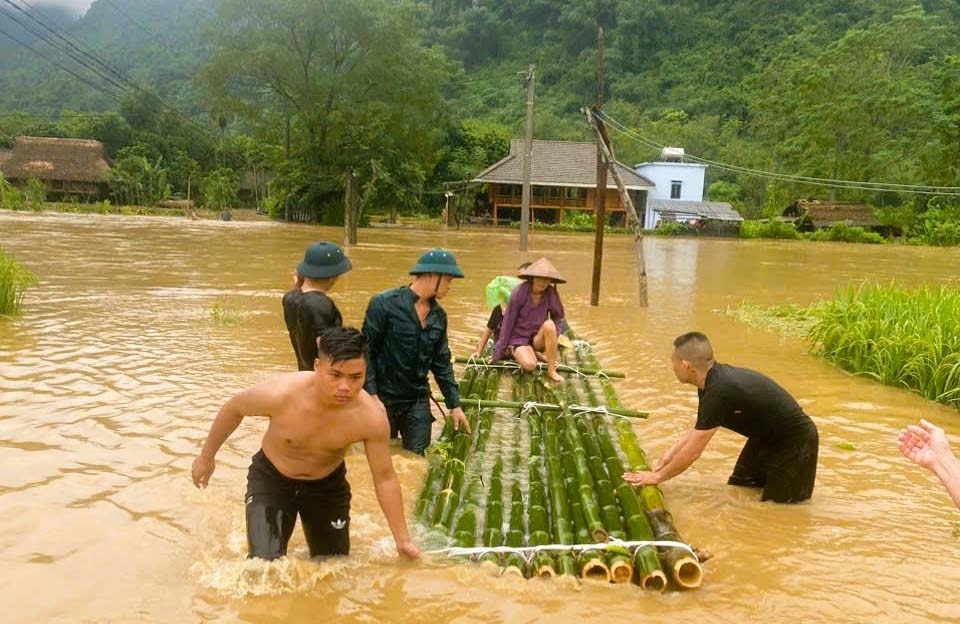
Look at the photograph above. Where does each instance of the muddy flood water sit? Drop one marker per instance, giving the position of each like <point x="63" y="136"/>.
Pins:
<point x="111" y="377"/>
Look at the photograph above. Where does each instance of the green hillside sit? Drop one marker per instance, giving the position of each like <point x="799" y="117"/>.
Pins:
<point x="412" y="93"/>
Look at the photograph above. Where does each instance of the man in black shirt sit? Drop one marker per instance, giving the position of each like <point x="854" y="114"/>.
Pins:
<point x="307" y="310"/>
<point x="780" y="455"/>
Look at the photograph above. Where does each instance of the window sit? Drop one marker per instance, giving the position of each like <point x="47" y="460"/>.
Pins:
<point x="675" y="189"/>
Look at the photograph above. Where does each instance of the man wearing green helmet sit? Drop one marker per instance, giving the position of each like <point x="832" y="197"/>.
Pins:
<point x="406" y="332"/>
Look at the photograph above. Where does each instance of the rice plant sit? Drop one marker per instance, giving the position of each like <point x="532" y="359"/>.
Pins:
<point x="222" y="315"/>
<point x="900" y="337"/>
<point x="14" y="282"/>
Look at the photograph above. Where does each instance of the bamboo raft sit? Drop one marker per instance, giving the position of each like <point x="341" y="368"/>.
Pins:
<point x="536" y="490"/>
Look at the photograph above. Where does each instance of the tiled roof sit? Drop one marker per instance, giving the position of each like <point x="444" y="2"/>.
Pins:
<point x="719" y="211"/>
<point x="558" y="163"/>
<point x="47" y="158"/>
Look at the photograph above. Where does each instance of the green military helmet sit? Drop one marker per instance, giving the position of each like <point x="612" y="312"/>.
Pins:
<point x="437" y="261"/>
<point x="322" y="260"/>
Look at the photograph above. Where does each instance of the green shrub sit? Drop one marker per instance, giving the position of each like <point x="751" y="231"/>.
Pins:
<point x="671" y="228"/>
<point x="935" y="228"/>
<point x="842" y="233"/>
<point x="35" y="194"/>
<point x="14" y="282"/>
<point x="768" y="229"/>
<point x="10" y="197"/>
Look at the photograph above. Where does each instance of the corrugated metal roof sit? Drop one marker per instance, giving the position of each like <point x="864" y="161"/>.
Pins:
<point x="719" y="211"/>
<point x="558" y="163"/>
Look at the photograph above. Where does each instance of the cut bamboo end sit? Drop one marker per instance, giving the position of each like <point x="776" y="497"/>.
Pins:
<point x="621" y="572"/>
<point x="595" y="570"/>
<point x="545" y="571"/>
<point x="687" y="573"/>
<point x="656" y="580"/>
<point x="512" y="571"/>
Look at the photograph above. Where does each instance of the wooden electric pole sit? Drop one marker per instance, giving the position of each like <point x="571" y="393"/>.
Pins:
<point x="527" y="157"/>
<point x="633" y="219"/>
<point x="600" y="200"/>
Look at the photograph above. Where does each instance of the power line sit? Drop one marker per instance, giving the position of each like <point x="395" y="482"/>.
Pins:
<point x="31" y="29"/>
<point x="84" y="81"/>
<point x="919" y="189"/>
<point x="71" y="46"/>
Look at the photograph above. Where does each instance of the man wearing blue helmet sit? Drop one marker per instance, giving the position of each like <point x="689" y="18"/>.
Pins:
<point x="307" y="309"/>
<point x="406" y="332"/>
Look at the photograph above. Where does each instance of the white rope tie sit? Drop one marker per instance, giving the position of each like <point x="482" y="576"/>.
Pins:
<point x="528" y="552"/>
<point x="578" y="410"/>
<point x="530" y="406"/>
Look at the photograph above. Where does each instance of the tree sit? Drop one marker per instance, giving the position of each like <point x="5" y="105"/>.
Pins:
<point x="351" y="78"/>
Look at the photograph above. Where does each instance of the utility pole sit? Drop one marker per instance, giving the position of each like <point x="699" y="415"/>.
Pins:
<point x="527" y="157"/>
<point x="601" y="192"/>
<point x="633" y="219"/>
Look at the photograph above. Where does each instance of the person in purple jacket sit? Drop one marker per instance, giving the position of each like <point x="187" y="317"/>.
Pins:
<point x="531" y="321"/>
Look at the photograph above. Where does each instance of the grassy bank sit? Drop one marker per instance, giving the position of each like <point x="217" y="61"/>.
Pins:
<point x="900" y="337"/>
<point x="14" y="282"/>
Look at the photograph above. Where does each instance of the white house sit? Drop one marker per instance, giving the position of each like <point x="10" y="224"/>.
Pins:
<point x="678" y="191"/>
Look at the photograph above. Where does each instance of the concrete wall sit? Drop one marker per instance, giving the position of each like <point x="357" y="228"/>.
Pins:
<point x="662" y="174"/>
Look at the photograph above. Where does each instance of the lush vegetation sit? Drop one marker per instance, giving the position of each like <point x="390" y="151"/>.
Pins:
<point x="400" y="96"/>
<point x="900" y="337"/>
<point x="14" y="282"/>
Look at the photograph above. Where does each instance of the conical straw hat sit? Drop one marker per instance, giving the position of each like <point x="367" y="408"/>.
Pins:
<point x="542" y="268"/>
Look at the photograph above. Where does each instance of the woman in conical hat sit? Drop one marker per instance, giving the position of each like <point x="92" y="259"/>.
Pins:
<point x="531" y="321"/>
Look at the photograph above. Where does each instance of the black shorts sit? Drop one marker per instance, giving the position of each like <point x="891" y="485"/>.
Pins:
<point x="273" y="501"/>
<point x="786" y="475"/>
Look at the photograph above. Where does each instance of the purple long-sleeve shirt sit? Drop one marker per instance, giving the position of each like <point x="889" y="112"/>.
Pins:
<point x="522" y="320"/>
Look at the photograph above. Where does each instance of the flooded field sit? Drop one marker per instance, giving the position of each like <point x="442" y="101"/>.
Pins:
<point x="141" y="327"/>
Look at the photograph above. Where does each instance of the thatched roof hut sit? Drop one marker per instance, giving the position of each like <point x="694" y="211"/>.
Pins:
<point x="814" y="214"/>
<point x="69" y="168"/>
<point x="47" y="158"/>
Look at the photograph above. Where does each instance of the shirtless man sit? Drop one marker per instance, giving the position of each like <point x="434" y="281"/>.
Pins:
<point x="314" y="416"/>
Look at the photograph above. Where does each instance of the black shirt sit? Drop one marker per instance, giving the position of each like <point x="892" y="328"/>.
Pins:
<point x="495" y="321"/>
<point x="401" y="351"/>
<point x="751" y="404"/>
<point x="306" y="315"/>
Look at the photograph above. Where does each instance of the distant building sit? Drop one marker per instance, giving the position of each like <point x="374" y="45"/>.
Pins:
<point x="563" y="177"/>
<point x="814" y="214"/>
<point x="69" y="168"/>
<point x="677" y="195"/>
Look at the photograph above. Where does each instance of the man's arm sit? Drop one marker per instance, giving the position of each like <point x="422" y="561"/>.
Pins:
<point x="693" y="443"/>
<point x="387" y="486"/>
<point x="926" y="445"/>
<point x="257" y="400"/>
<point x="442" y="370"/>
<point x="484" y="337"/>
<point x="373" y="330"/>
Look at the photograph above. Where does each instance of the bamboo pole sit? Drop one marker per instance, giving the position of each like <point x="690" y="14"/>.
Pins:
<point x="561" y="368"/>
<point x="547" y="407"/>
<point x="684" y="568"/>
